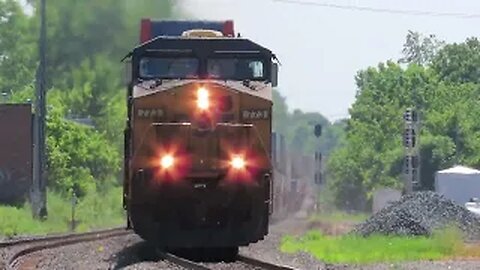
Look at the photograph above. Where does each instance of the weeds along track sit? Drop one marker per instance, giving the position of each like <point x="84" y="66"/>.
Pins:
<point x="28" y="246"/>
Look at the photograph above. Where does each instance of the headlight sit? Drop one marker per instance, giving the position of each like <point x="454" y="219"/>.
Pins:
<point x="203" y="102"/>
<point x="167" y="161"/>
<point x="238" y="163"/>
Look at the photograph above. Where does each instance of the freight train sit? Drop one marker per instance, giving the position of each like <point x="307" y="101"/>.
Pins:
<point x="198" y="166"/>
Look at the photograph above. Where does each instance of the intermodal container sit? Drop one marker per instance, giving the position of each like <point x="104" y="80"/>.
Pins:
<point x="16" y="153"/>
<point x="154" y="28"/>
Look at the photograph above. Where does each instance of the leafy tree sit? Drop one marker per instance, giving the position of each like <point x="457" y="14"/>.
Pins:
<point x="78" y="156"/>
<point x="419" y="49"/>
<point x="85" y="62"/>
<point x="445" y="91"/>
<point x="298" y="127"/>
<point x="86" y="40"/>
<point x="79" y="30"/>
<point x="459" y="63"/>
<point x="334" y="136"/>
<point x="280" y="113"/>
<point x="17" y="46"/>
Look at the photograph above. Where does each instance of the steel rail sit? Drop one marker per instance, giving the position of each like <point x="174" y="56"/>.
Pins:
<point x="34" y="239"/>
<point x="187" y="264"/>
<point x="48" y="242"/>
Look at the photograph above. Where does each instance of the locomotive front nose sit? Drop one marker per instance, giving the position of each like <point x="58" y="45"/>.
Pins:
<point x="203" y="134"/>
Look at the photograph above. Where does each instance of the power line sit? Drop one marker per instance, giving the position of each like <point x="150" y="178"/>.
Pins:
<point x="383" y="10"/>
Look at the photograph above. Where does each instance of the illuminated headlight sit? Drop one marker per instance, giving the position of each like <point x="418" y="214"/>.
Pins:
<point x="238" y="163"/>
<point x="203" y="102"/>
<point x="167" y="161"/>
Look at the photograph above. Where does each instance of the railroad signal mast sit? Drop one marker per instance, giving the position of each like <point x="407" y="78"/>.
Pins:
<point x="318" y="178"/>
<point x="412" y="153"/>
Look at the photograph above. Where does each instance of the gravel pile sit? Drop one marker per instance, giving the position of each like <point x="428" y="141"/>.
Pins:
<point x="421" y="213"/>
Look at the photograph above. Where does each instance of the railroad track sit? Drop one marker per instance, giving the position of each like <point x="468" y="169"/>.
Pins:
<point x="261" y="264"/>
<point x="28" y="246"/>
<point x="35" y="244"/>
<point x="245" y="262"/>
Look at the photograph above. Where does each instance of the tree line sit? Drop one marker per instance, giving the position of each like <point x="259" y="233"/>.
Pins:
<point x="87" y="39"/>
<point x="85" y="43"/>
<point x="442" y="82"/>
<point x="298" y="128"/>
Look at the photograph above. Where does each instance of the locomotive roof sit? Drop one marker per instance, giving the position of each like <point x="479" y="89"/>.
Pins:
<point x="201" y="46"/>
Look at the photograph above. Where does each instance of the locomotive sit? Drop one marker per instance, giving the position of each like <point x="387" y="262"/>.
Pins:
<point x="198" y="169"/>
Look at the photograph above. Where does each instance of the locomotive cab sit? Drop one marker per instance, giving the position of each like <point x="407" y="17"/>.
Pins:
<point x="198" y="171"/>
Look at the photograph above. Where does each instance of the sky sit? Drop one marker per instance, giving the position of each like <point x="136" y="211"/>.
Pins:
<point x="321" y="49"/>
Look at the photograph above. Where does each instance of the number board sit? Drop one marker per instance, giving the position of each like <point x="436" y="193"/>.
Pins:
<point x="256" y="114"/>
<point x="150" y="113"/>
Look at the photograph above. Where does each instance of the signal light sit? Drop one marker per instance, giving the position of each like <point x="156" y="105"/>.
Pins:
<point x="409" y="139"/>
<point x="238" y="163"/>
<point x="167" y="161"/>
<point x="410" y="115"/>
<point x="203" y="102"/>
<point x="411" y="162"/>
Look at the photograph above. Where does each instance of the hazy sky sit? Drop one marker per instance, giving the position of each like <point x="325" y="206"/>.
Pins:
<point x="321" y="49"/>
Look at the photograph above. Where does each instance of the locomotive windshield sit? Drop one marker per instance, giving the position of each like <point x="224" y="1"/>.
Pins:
<point x="169" y="68"/>
<point x="230" y="68"/>
<point x="235" y="69"/>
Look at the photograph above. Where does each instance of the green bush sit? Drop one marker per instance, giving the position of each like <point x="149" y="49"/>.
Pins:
<point x="93" y="211"/>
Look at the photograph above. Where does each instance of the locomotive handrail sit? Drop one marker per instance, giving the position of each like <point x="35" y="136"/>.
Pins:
<point x="172" y="124"/>
<point x="235" y="124"/>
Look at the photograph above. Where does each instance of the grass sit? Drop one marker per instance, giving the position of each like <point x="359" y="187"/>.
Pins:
<point x="361" y="250"/>
<point x="94" y="211"/>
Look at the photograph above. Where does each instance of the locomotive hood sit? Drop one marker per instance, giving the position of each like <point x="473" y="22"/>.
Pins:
<point x="254" y="88"/>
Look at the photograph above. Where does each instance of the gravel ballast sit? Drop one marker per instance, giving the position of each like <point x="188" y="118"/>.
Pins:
<point x="268" y="250"/>
<point x="421" y="213"/>
<point x="130" y="252"/>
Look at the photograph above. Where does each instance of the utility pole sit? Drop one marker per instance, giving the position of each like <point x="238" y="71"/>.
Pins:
<point x="39" y="187"/>
<point x="412" y="153"/>
<point x="318" y="157"/>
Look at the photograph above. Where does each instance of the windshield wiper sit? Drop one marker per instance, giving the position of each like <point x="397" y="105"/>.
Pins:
<point x="156" y="82"/>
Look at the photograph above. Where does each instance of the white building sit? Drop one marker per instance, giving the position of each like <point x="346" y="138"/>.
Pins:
<point x="459" y="183"/>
